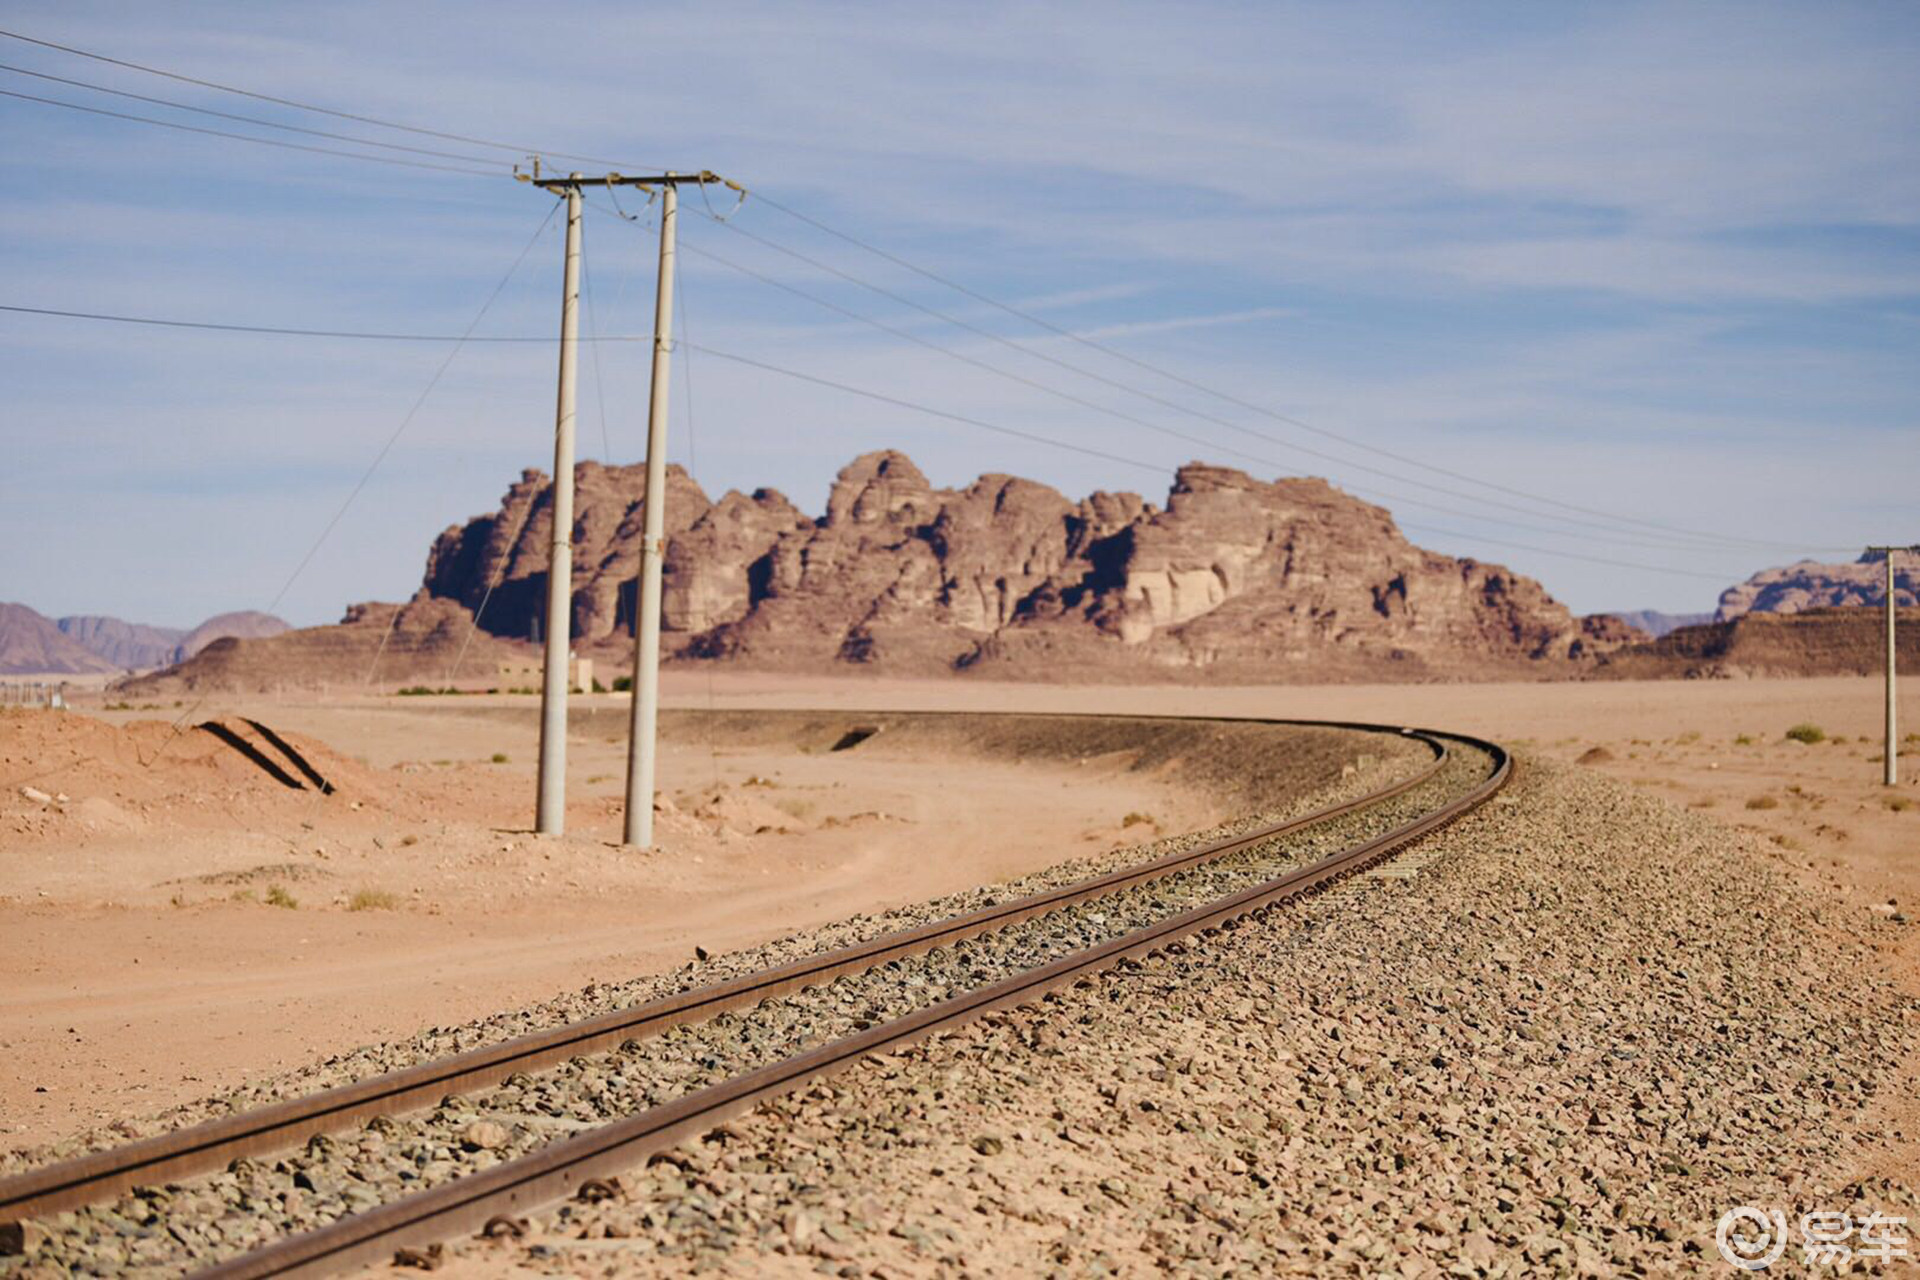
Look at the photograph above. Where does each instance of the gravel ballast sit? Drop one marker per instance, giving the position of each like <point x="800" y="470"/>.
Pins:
<point x="1590" y="1026"/>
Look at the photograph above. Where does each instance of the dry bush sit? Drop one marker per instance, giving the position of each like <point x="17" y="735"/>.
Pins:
<point x="373" y="900"/>
<point x="1763" y="802"/>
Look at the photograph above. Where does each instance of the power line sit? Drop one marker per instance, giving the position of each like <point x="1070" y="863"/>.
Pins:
<point x="358" y="335"/>
<point x="1566" y="555"/>
<point x="1116" y="354"/>
<point x="1156" y="469"/>
<point x="242" y="137"/>
<point x="1119" y="415"/>
<point x="265" y="123"/>
<point x="1726" y="542"/>
<point x="366" y="476"/>
<point x="414" y="411"/>
<point x="284" y="331"/>
<point x="929" y="410"/>
<point x="308" y="106"/>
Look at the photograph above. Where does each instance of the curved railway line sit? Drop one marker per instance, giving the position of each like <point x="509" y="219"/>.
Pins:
<point x="571" y="1106"/>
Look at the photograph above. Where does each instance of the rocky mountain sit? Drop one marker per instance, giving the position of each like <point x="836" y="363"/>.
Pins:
<point x="1290" y="579"/>
<point x="1657" y="624"/>
<point x="1813" y="585"/>
<point x="135" y="646"/>
<point x="132" y="646"/>
<point x="33" y="644"/>
<point x="1809" y="642"/>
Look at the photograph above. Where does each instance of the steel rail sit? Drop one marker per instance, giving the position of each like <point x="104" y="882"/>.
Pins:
<point x="283" y="1125"/>
<point x="559" y="1171"/>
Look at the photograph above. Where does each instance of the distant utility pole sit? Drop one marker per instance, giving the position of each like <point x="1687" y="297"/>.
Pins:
<point x="1891" y="755"/>
<point x="550" y="815"/>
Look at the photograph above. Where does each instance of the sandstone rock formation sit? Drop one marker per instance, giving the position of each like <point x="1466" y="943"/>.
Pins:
<point x="1811" y="642"/>
<point x="1290" y="579"/>
<point x="1810" y="584"/>
<point x="496" y="565"/>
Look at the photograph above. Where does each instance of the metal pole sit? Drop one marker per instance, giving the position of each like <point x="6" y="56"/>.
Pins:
<point x="551" y="813"/>
<point x="1893" y="742"/>
<point x="646" y="628"/>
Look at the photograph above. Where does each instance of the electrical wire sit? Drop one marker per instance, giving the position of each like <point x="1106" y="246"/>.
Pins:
<point x="1116" y="354"/>
<point x="242" y="137"/>
<point x="1565" y="555"/>
<point x="257" y="120"/>
<point x="413" y="411"/>
<point x="283" y="331"/>
<point x="287" y="331"/>
<point x="593" y="349"/>
<point x="1156" y="469"/>
<point x="1071" y="398"/>
<point x="308" y="106"/>
<point x="1710" y="542"/>
<point x="1613" y="518"/>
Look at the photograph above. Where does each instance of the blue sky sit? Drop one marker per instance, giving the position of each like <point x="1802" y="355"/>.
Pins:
<point x="1661" y="261"/>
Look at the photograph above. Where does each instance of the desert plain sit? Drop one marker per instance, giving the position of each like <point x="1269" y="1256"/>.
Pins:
<point x="181" y="925"/>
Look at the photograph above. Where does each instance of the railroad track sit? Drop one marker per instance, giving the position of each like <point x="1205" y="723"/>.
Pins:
<point x="557" y="1113"/>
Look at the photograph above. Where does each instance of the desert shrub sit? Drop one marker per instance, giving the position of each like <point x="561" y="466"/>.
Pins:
<point x="1744" y="740"/>
<point x="1135" y="819"/>
<point x="373" y="900"/>
<point x="1688" y="738"/>
<point x="1763" y="802"/>
<point x="407" y="840"/>
<point x="623" y="684"/>
<point x="277" y="896"/>
<point x="597" y="686"/>
<point x="499" y="757"/>
<point x="1807" y="733"/>
<point x="1899" y="804"/>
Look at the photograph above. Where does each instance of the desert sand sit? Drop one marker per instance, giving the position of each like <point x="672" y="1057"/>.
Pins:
<point x="147" y="963"/>
<point x="178" y="921"/>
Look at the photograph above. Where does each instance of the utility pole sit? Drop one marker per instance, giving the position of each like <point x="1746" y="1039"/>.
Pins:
<point x="646" y="628"/>
<point x="1891" y="756"/>
<point x="550" y="811"/>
